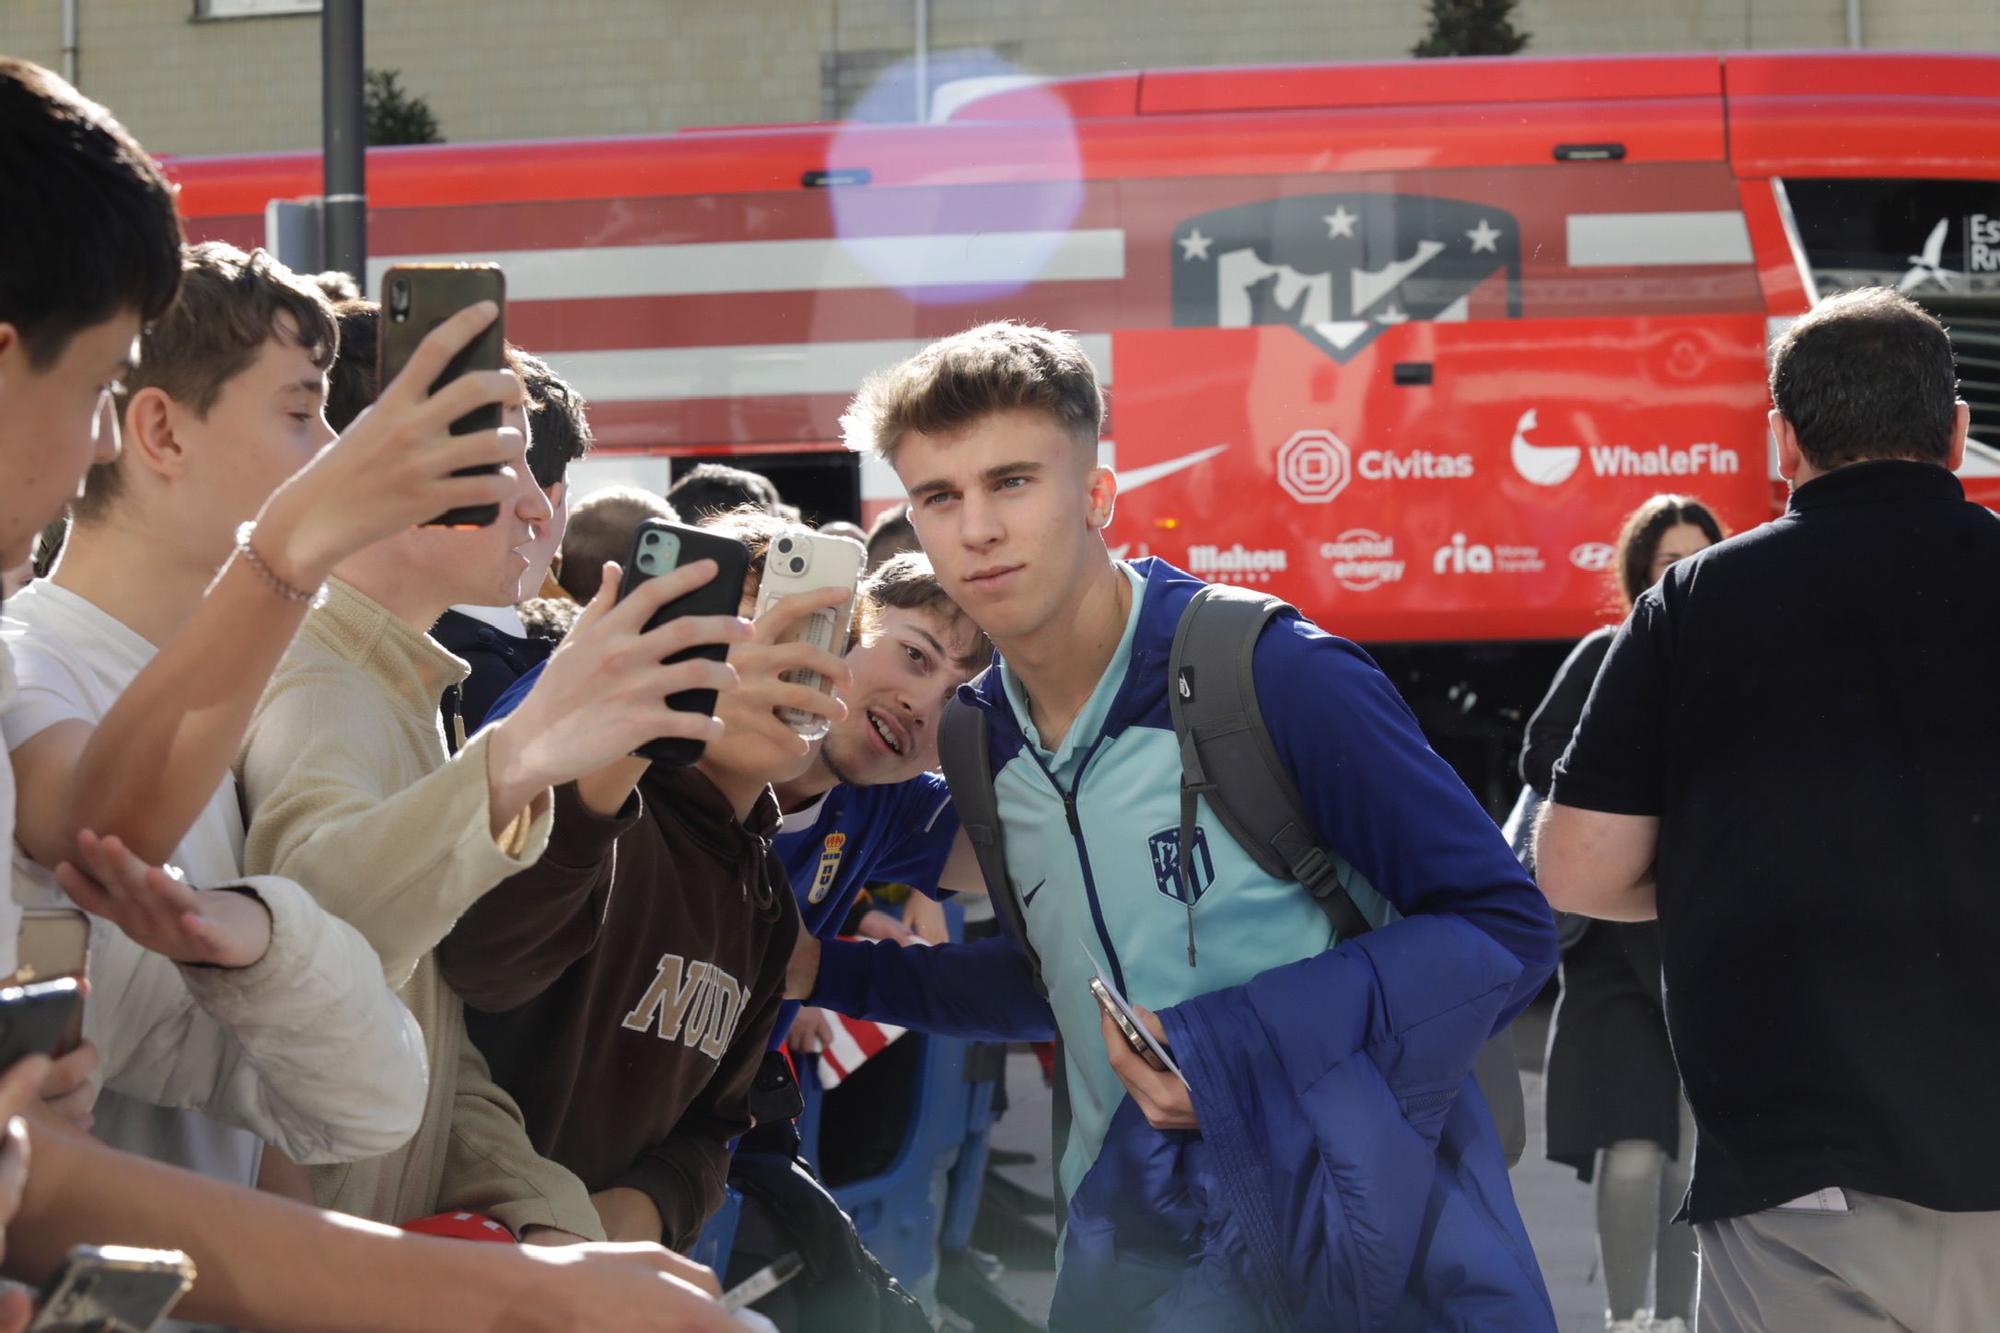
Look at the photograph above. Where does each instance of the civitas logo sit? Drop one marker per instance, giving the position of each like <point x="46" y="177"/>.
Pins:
<point x="1363" y="559"/>
<point x="1314" y="466"/>
<point x="1459" y="556"/>
<point x="1235" y="564"/>
<point x="1592" y="557"/>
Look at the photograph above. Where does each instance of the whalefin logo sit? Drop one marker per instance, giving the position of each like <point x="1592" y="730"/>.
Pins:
<point x="1341" y="268"/>
<point x="1542" y="464"/>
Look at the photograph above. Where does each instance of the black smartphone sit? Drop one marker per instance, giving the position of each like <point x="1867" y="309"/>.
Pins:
<point x="660" y="547"/>
<point x="416" y="298"/>
<point x="113" y="1289"/>
<point x="34" y="1017"/>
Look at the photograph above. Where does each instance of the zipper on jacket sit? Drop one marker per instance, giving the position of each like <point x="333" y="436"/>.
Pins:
<point x="1083" y="853"/>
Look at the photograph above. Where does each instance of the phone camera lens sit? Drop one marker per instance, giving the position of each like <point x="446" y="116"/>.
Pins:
<point x="784" y="546"/>
<point x="798" y="565"/>
<point x="399" y="300"/>
<point x="652" y="539"/>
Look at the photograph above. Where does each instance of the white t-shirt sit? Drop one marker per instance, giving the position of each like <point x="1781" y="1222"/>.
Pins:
<point x="71" y="661"/>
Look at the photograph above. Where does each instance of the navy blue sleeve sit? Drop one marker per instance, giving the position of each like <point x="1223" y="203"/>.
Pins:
<point x="983" y="991"/>
<point x="511" y="697"/>
<point x="1382" y="798"/>
<point x="929" y="824"/>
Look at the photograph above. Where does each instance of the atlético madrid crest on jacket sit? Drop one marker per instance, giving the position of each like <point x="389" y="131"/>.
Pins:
<point x="1341" y="267"/>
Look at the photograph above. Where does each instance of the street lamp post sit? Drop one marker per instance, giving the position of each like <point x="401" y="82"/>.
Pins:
<point x="345" y="210"/>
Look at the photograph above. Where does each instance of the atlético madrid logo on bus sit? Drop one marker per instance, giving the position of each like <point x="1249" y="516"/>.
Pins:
<point x="1340" y="268"/>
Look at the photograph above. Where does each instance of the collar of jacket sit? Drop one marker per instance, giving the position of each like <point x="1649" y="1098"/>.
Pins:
<point x="410" y="664"/>
<point x="1168" y="591"/>
<point x="685" y="798"/>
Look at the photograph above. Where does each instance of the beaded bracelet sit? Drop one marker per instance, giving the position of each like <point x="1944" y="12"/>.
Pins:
<point x="269" y="577"/>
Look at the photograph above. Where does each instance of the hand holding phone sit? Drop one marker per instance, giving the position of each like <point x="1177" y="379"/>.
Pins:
<point x="1137" y="1035"/>
<point x="113" y="1289"/>
<point x="659" y="547"/>
<point x="801" y="560"/>
<point x="397" y="464"/>
<point x="417" y="298"/>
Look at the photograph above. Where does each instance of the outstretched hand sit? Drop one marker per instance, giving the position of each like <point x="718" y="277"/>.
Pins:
<point x="157" y="911"/>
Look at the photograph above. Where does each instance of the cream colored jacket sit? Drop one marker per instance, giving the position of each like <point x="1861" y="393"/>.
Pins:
<point x="349" y="792"/>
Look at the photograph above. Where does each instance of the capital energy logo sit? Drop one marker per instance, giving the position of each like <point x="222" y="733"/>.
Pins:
<point x="1235" y="564"/>
<point x="1363" y="559"/>
<point x="1458" y="556"/>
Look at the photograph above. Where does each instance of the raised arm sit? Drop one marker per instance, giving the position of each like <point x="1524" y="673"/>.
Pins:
<point x="147" y="769"/>
<point x="1382" y="798"/>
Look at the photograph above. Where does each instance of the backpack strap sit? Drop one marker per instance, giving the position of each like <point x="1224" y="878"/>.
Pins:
<point x="966" y="756"/>
<point x="1227" y="754"/>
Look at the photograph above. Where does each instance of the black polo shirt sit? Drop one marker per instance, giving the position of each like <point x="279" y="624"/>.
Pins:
<point x="1812" y="710"/>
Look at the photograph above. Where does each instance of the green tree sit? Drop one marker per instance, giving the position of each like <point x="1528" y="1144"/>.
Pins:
<point x="395" y="115"/>
<point x="1471" y="28"/>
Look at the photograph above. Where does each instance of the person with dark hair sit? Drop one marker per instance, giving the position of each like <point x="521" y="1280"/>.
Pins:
<point x="208" y="1048"/>
<point x="90" y="252"/>
<point x="493" y="640"/>
<point x="1614" y="1106"/>
<point x="628" y="1010"/>
<point x="708" y="489"/>
<point x="891" y="536"/>
<point x="1789" y="758"/>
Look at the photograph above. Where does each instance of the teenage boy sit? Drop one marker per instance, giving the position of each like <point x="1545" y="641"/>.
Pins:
<point x="870" y="808"/>
<point x="276" y="1018"/>
<point x="493" y="640"/>
<point x="1336" y="1066"/>
<point x="350" y="791"/>
<point x="74" y="184"/>
<point x="629" y="1012"/>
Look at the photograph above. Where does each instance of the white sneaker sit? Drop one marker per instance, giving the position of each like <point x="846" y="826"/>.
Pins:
<point x="1638" y="1323"/>
<point x="1671" y="1324"/>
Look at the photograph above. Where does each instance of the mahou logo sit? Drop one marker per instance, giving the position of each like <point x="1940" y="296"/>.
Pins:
<point x="1235" y="564"/>
<point x="1458" y="556"/>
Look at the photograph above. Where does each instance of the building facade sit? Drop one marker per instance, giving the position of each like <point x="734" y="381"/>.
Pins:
<point x="221" y="76"/>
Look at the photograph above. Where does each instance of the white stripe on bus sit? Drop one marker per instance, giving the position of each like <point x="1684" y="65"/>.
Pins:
<point x="816" y="265"/>
<point x="1648" y="240"/>
<point x="666" y="374"/>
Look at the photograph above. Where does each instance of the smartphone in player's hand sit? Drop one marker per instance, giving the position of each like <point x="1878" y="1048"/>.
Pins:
<point x="416" y="298"/>
<point x="113" y="1289"/>
<point x="801" y="560"/>
<point x="659" y="547"/>
<point x="1130" y="1026"/>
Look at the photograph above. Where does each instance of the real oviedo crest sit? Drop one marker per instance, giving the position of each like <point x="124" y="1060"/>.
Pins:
<point x="829" y="866"/>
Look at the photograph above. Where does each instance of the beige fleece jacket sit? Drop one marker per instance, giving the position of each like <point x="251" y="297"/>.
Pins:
<point x="349" y="791"/>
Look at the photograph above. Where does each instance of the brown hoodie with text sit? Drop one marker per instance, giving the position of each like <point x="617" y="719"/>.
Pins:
<point x="628" y="1012"/>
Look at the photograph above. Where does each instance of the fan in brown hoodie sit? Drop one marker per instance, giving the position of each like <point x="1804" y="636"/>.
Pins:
<point x="628" y="1011"/>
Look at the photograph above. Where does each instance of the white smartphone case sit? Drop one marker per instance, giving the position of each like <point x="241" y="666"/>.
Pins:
<point x="801" y="560"/>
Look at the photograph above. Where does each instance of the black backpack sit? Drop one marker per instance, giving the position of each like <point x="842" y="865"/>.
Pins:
<point x="1226" y="756"/>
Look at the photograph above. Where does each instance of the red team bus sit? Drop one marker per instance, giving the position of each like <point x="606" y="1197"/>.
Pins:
<point x="1400" y="342"/>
